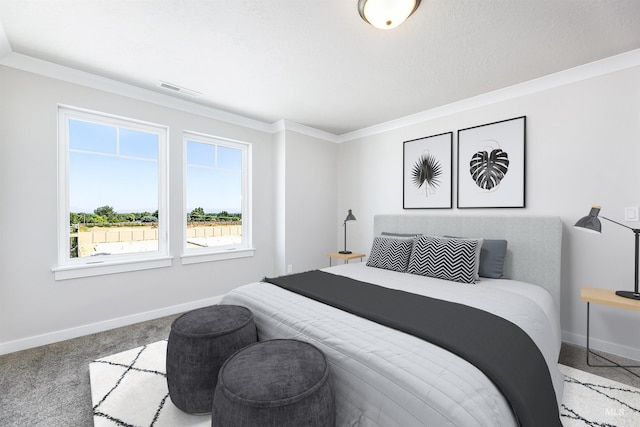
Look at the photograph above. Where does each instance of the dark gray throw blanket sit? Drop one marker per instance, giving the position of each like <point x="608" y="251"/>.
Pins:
<point x="499" y="348"/>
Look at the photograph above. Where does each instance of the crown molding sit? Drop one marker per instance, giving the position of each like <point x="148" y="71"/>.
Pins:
<point x="59" y="72"/>
<point x="594" y="69"/>
<point x="5" y="47"/>
<point x="71" y="75"/>
<point x="583" y="72"/>
<point x="287" y="125"/>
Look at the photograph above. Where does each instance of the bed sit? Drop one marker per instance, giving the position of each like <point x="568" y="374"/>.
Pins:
<point x="385" y="377"/>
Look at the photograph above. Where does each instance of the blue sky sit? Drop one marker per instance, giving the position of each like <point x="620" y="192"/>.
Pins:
<point x="207" y="164"/>
<point x="119" y="168"/>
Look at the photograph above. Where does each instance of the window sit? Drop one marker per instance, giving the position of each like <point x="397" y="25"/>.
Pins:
<point x="112" y="194"/>
<point x="217" y="214"/>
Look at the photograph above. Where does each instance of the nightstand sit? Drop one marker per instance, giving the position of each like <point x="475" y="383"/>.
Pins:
<point x="345" y="257"/>
<point x="607" y="297"/>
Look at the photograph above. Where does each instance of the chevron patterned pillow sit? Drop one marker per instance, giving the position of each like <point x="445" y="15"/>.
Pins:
<point x="390" y="253"/>
<point x="445" y="258"/>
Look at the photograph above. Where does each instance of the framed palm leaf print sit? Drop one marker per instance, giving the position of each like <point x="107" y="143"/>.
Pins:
<point x="427" y="172"/>
<point x="491" y="165"/>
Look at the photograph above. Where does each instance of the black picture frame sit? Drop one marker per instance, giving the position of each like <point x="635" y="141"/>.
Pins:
<point x="427" y="173"/>
<point x="491" y="165"/>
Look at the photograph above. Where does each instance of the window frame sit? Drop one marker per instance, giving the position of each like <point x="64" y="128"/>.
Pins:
<point x="69" y="268"/>
<point x="208" y="254"/>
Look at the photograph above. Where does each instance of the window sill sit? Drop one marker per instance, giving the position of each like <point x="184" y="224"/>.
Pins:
<point x="195" y="258"/>
<point x="99" y="269"/>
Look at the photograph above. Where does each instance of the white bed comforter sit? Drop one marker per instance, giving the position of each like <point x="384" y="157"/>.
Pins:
<point x="383" y="377"/>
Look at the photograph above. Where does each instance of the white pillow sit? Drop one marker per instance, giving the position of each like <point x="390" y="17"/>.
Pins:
<point x="478" y="251"/>
<point x="445" y="258"/>
<point x="390" y="253"/>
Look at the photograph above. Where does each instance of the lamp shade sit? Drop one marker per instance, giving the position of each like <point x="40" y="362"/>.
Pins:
<point x="591" y="222"/>
<point x="386" y="14"/>
<point x="350" y="216"/>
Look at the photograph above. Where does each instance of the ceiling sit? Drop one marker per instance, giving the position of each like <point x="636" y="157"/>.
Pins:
<point x="317" y="63"/>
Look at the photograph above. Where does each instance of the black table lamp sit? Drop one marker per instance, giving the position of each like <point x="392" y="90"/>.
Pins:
<point x="592" y="223"/>
<point x="349" y="217"/>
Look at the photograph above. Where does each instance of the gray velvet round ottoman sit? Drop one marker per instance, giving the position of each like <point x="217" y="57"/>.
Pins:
<point x="276" y="383"/>
<point x="199" y="343"/>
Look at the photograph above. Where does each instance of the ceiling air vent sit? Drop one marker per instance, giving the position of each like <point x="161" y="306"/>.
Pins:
<point x="179" y="89"/>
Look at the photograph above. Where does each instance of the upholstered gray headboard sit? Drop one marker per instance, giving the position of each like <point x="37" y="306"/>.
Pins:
<point x="534" y="243"/>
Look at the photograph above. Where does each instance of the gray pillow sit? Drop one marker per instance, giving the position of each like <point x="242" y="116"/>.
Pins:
<point x="389" y="234"/>
<point x="492" y="257"/>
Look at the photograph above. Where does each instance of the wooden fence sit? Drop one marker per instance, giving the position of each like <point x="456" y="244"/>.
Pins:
<point x="139" y="234"/>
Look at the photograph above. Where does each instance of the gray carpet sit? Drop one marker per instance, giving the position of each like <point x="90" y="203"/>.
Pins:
<point x="575" y="356"/>
<point x="49" y="386"/>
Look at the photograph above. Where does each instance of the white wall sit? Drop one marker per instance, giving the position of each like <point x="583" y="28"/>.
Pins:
<point x="294" y="203"/>
<point x="280" y="224"/>
<point x="582" y="148"/>
<point x="308" y="181"/>
<point x="35" y="309"/>
<point x="583" y="145"/>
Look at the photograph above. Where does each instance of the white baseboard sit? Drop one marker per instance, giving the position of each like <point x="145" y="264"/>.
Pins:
<point x="65" y="334"/>
<point x="601" y="345"/>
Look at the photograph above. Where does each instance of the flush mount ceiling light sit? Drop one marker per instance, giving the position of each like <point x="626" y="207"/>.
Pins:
<point x="386" y="14"/>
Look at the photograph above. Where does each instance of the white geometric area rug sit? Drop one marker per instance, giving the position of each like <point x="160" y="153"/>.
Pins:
<point x="591" y="400"/>
<point x="129" y="389"/>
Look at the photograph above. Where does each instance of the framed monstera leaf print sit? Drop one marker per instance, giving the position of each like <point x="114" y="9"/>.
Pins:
<point x="491" y="165"/>
<point x="427" y="172"/>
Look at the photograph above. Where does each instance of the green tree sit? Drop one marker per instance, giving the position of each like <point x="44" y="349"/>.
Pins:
<point x="96" y="219"/>
<point x="107" y="212"/>
<point x="197" y="214"/>
<point x="140" y="215"/>
<point x="128" y="217"/>
<point x="75" y="218"/>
